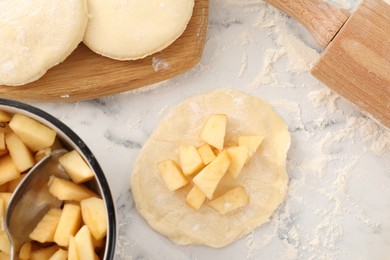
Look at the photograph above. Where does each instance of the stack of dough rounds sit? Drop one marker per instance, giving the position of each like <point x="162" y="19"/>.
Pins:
<point x="133" y="29"/>
<point x="264" y="178"/>
<point x="35" y="35"/>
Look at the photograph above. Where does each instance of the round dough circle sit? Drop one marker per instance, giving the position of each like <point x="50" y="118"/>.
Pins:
<point x="264" y="178"/>
<point x="37" y="35"/>
<point x="133" y="29"/>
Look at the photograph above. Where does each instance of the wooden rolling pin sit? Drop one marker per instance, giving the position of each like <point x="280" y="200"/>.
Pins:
<point x="356" y="59"/>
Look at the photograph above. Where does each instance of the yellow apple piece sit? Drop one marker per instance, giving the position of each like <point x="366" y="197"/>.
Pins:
<point x="75" y="166"/>
<point x="213" y="132"/>
<point x="19" y="152"/>
<point x="8" y="170"/>
<point x="14" y="183"/>
<point x="4" y="117"/>
<point x="94" y="215"/>
<point x="195" y="198"/>
<point x="4" y="242"/>
<point x="238" y="156"/>
<point x="206" y="153"/>
<point x="252" y="142"/>
<point x="72" y="250"/>
<point x="68" y="225"/>
<point x="25" y="251"/>
<point x="172" y="175"/>
<point x="33" y="133"/>
<point x="209" y="177"/>
<point x="190" y="160"/>
<point x="46" y="228"/>
<point x="44" y="253"/>
<point x="60" y="254"/>
<point x="67" y="190"/>
<point x="230" y="201"/>
<point x="84" y="246"/>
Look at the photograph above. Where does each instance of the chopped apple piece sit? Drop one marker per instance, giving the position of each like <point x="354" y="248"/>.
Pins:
<point x="195" y="198"/>
<point x="206" y="153"/>
<point x="238" y="156"/>
<point x="84" y="244"/>
<point x="25" y="251"/>
<point x="75" y="166"/>
<point x="68" y="225"/>
<point x="5" y="245"/>
<point x="14" y="183"/>
<point x="214" y="130"/>
<point x="5" y="117"/>
<point x="230" y="201"/>
<point x="94" y="216"/>
<point x="19" y="152"/>
<point x="8" y="170"/>
<point x="46" y="228"/>
<point x="208" y="178"/>
<point x="72" y="250"/>
<point x="251" y="141"/>
<point x="190" y="160"/>
<point x="60" y="254"/>
<point x="67" y="190"/>
<point x="44" y="253"/>
<point x="33" y="133"/>
<point x="172" y="175"/>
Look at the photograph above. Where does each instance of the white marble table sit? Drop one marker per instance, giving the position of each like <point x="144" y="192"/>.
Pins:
<point x="338" y="202"/>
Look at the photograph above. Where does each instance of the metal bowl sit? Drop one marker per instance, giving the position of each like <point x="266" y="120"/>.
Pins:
<point x="71" y="141"/>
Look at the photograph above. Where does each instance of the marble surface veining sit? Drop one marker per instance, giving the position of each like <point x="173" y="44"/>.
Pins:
<point x="338" y="202"/>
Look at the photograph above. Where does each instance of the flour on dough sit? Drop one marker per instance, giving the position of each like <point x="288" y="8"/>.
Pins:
<point x="133" y="29"/>
<point x="264" y="178"/>
<point x="36" y="35"/>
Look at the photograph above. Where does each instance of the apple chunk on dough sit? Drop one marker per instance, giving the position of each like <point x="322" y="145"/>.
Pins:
<point x="252" y="142"/>
<point x="190" y="160"/>
<point x="214" y="130"/>
<point x="209" y="177"/>
<point x="34" y="134"/>
<point x="172" y="175"/>
<point x="206" y="153"/>
<point x="75" y="166"/>
<point x="238" y="156"/>
<point x="230" y="201"/>
<point x="195" y="198"/>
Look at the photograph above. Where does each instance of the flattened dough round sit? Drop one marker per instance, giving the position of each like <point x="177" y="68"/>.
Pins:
<point x="133" y="29"/>
<point x="36" y="35"/>
<point x="264" y="178"/>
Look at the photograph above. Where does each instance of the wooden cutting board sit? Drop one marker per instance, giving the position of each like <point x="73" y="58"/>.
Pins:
<point x="86" y="75"/>
<point x="356" y="59"/>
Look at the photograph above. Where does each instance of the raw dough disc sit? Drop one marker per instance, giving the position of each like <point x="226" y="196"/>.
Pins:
<point x="133" y="29"/>
<point x="37" y="35"/>
<point x="264" y="178"/>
